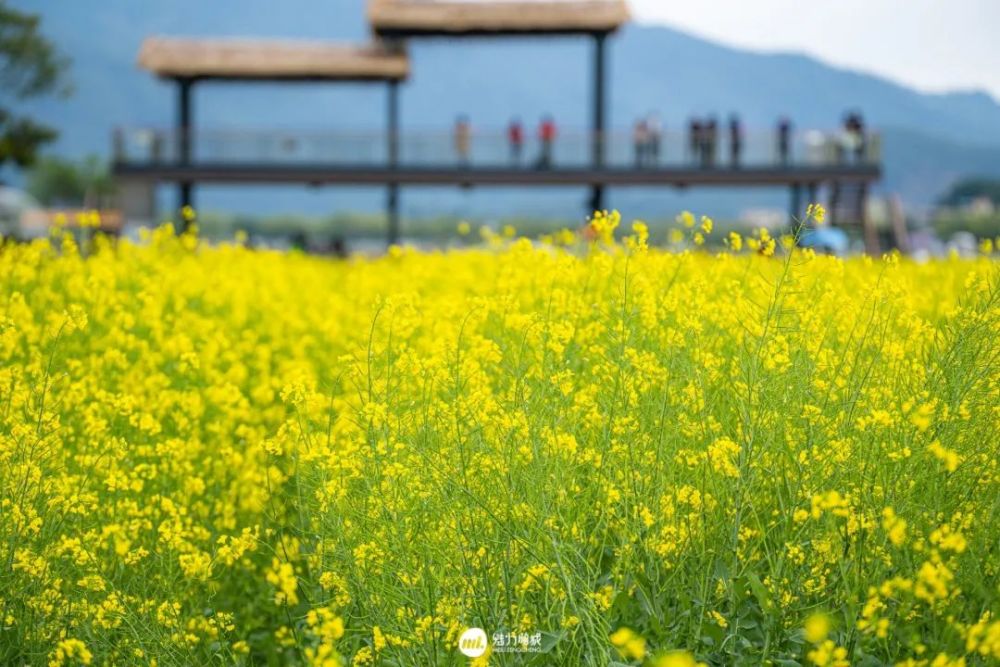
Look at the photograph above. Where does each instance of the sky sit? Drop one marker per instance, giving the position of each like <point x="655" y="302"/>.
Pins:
<point x="932" y="45"/>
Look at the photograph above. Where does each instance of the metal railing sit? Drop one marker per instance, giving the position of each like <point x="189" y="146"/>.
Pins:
<point x="488" y="149"/>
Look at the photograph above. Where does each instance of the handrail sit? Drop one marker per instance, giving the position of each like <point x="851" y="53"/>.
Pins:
<point x="491" y="147"/>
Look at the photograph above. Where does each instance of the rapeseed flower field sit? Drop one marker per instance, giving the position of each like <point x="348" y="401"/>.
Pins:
<point x="596" y="452"/>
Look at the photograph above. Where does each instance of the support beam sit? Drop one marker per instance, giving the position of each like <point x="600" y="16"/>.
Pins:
<point x="185" y="197"/>
<point x="599" y="121"/>
<point x="184" y="143"/>
<point x="392" y="214"/>
<point x="596" y="199"/>
<point x="392" y="195"/>
<point x="795" y="207"/>
<point x="833" y="210"/>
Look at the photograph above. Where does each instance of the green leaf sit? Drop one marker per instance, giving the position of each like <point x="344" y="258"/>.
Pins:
<point x="759" y="591"/>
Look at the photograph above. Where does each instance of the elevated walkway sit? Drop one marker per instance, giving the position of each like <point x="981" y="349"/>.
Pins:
<point x="595" y="158"/>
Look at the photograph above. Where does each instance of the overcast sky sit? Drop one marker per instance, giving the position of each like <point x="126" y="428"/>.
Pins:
<point x="933" y="45"/>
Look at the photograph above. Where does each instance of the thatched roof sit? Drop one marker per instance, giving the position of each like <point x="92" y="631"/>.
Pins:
<point x="404" y="18"/>
<point x="271" y="60"/>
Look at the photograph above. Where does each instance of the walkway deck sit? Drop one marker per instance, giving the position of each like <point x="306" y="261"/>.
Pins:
<point x="367" y="175"/>
<point x="433" y="158"/>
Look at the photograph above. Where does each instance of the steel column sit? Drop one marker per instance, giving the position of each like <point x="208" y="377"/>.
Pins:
<point x="184" y="143"/>
<point x="599" y="122"/>
<point x="833" y="210"/>
<point x="795" y="210"/>
<point x="392" y="199"/>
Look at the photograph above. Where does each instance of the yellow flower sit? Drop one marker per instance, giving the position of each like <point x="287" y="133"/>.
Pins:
<point x="68" y="651"/>
<point x="604" y="224"/>
<point x="378" y="639"/>
<point x="895" y="527"/>
<point x="639" y="240"/>
<point x="817" y="212"/>
<point x="828" y="654"/>
<point x="817" y="628"/>
<point x="629" y="644"/>
<point x="282" y="577"/>
<point x="984" y="637"/>
<point x="676" y="659"/>
<point x="933" y="581"/>
<point x="948" y="457"/>
<point x="947" y="539"/>
<point x="196" y="565"/>
<point x="723" y="455"/>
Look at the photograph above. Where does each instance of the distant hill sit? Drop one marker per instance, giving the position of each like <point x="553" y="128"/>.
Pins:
<point x="930" y="140"/>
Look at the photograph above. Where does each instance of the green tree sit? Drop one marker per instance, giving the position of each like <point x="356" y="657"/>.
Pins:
<point x="968" y="189"/>
<point x="30" y="66"/>
<point x="57" y="182"/>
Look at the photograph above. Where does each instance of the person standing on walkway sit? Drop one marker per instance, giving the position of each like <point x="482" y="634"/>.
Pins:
<point x="735" y="141"/>
<point x="694" y="140"/>
<point x="547" y="138"/>
<point x="515" y="137"/>
<point x="654" y="130"/>
<point x="640" y="141"/>
<point x="711" y="141"/>
<point x="856" y="134"/>
<point x="784" y="141"/>
<point x="463" y="140"/>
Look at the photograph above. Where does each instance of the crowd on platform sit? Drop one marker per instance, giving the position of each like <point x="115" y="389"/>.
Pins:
<point x="516" y="135"/>
<point x="704" y="141"/>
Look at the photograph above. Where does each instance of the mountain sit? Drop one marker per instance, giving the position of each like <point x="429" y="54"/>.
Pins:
<point x="929" y="140"/>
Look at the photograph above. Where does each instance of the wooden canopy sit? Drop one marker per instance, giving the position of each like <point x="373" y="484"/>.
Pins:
<point x="269" y="60"/>
<point x="413" y="18"/>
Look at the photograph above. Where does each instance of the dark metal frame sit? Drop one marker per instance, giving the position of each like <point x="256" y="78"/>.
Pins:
<point x="185" y="135"/>
<point x="599" y="113"/>
<point x="392" y="194"/>
<point x="598" y="89"/>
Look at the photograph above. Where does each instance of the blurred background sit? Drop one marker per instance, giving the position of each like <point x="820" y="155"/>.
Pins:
<point x="925" y="75"/>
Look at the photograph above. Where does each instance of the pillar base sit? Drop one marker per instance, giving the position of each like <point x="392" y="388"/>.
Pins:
<point x="596" y="199"/>
<point x="392" y="215"/>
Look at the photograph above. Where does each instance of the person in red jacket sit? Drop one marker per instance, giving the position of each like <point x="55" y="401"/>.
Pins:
<point x="547" y="138"/>
<point x="515" y="137"/>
